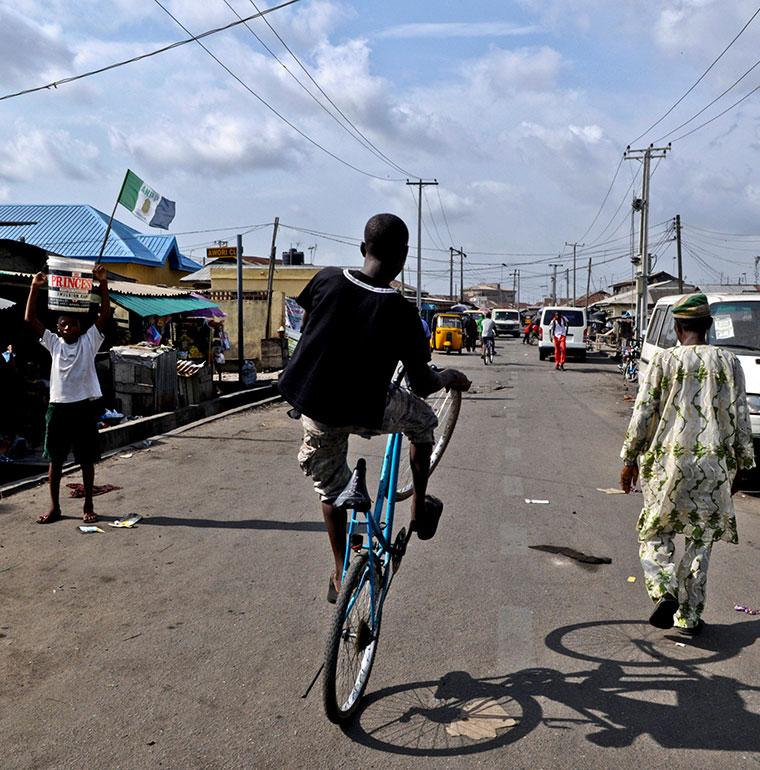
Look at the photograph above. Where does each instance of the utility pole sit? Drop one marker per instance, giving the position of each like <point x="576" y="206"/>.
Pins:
<point x="567" y="285"/>
<point x="462" y="256"/>
<point x="588" y="284"/>
<point x="518" y="289"/>
<point x="270" y="277"/>
<point x="240" y="340"/>
<point x="451" y="273"/>
<point x="514" y="283"/>
<point x="575" y="246"/>
<point x="642" y="279"/>
<point x="678" y="254"/>
<point x="757" y="263"/>
<point x="419" y="184"/>
<point x="554" y="282"/>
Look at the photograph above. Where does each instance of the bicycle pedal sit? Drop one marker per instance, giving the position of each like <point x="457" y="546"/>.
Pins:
<point x="399" y="549"/>
<point x="357" y="543"/>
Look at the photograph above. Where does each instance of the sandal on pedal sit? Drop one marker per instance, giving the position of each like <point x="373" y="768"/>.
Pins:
<point x="332" y="592"/>
<point x="426" y="529"/>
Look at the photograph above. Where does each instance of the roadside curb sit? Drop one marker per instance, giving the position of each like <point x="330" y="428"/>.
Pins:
<point x="114" y="439"/>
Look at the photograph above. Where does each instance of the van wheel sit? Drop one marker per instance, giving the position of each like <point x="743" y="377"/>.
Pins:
<point x="541" y="355"/>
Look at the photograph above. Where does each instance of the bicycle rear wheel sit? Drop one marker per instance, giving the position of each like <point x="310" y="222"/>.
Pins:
<point x="351" y="645"/>
<point x="446" y="405"/>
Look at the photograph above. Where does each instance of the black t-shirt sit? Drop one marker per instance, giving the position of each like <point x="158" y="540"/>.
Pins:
<point x="355" y="335"/>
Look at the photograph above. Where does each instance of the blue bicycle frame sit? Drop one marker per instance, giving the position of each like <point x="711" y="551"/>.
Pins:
<point x="377" y="539"/>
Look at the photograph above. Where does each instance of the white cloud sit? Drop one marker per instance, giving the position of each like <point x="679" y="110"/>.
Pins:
<point x="525" y="69"/>
<point x="457" y="29"/>
<point x="34" y="154"/>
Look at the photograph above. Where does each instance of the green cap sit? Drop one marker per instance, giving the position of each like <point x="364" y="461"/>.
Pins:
<point x="691" y="306"/>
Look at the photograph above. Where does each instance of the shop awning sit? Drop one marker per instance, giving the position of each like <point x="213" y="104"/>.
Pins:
<point x="146" y="306"/>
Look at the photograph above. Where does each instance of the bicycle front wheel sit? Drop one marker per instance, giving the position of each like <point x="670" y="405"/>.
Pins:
<point x="446" y="405"/>
<point x="351" y="645"/>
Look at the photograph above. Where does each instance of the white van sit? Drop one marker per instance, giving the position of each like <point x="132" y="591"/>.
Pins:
<point x="507" y="321"/>
<point x="736" y="327"/>
<point x="577" y="333"/>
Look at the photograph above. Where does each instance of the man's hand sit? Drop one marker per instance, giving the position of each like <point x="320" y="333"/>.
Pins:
<point x="40" y="279"/>
<point x="453" y="378"/>
<point x="628" y="477"/>
<point x="100" y="272"/>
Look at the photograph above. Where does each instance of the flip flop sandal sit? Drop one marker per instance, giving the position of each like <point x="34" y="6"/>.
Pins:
<point x="49" y="518"/>
<point x="433" y="510"/>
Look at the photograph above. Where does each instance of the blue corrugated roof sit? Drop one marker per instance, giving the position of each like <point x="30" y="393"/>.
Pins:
<point x="145" y="306"/>
<point x="77" y="231"/>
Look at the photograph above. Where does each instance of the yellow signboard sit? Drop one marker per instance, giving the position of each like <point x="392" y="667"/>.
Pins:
<point x="221" y="251"/>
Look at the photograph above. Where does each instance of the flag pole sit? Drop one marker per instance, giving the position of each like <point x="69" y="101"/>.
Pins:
<point x="110" y="220"/>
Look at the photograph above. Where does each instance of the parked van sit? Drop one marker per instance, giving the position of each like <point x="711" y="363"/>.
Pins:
<point x="577" y="333"/>
<point x="507" y="321"/>
<point x="736" y="327"/>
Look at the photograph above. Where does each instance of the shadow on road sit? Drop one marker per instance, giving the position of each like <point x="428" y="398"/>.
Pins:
<point x="287" y="526"/>
<point x="647" y="682"/>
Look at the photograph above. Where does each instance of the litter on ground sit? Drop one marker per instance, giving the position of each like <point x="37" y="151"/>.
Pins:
<point x="746" y="610"/>
<point x="127" y="522"/>
<point x="90" y="529"/>
<point x="536" y="502"/>
<point x="610" y="491"/>
<point x="631" y="579"/>
<point x="77" y="490"/>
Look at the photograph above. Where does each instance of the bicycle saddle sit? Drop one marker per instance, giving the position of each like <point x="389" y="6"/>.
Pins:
<point x="355" y="494"/>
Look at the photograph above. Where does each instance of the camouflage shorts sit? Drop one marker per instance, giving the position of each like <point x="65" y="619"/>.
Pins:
<point x="323" y="453"/>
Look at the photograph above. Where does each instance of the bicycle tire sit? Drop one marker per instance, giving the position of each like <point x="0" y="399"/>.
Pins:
<point x="446" y="405"/>
<point x="341" y="700"/>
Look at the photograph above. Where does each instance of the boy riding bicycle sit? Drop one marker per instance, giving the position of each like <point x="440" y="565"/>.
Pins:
<point x="356" y="329"/>
<point x="488" y="333"/>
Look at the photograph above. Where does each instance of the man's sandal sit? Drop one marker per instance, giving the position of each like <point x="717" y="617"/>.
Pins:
<point x="426" y="529"/>
<point x="49" y="517"/>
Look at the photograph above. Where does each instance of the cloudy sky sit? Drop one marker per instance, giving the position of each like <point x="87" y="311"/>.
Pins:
<point x="521" y="110"/>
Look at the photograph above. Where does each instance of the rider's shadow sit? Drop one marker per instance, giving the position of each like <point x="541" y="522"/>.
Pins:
<point x="675" y="701"/>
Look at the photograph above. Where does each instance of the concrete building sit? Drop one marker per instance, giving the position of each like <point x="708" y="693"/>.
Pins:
<point x="490" y="295"/>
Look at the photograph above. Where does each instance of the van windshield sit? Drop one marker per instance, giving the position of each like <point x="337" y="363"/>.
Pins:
<point x="735" y="324"/>
<point x="505" y="315"/>
<point x="574" y="317"/>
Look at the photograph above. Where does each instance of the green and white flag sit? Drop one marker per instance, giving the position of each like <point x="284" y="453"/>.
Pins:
<point x="145" y="203"/>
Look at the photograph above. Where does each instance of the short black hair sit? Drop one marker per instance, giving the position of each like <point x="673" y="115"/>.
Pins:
<point x="697" y="325"/>
<point x="70" y="316"/>
<point x="385" y="235"/>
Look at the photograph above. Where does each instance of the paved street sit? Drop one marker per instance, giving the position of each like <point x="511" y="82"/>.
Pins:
<point x="189" y="641"/>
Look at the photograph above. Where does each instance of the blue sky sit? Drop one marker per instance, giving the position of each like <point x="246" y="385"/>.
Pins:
<point x="520" y="109"/>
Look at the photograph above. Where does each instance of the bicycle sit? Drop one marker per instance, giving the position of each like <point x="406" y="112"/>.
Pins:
<point x="367" y="577"/>
<point x="488" y="349"/>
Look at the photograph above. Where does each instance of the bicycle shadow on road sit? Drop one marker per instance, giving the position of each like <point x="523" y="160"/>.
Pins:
<point x="647" y="685"/>
<point x="286" y="526"/>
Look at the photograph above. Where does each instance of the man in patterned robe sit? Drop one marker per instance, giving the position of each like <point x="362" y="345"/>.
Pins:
<point x="690" y="436"/>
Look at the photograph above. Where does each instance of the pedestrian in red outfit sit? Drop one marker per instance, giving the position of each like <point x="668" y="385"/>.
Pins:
<point x="558" y="334"/>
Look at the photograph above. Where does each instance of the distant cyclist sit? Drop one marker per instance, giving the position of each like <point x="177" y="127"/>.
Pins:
<point x="488" y="332"/>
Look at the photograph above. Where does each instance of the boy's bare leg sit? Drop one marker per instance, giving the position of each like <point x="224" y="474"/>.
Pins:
<point x="88" y="481"/>
<point x="335" y="521"/>
<point x="419" y="459"/>
<point x="55" y="470"/>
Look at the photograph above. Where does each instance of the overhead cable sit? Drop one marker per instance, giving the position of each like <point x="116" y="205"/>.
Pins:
<point x="698" y="80"/>
<point x="266" y="104"/>
<point x="163" y="49"/>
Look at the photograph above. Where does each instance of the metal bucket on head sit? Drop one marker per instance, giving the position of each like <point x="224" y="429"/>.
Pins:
<point x="69" y="285"/>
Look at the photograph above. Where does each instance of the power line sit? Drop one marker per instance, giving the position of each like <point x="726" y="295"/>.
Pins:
<point x="360" y="138"/>
<point x="445" y="218"/>
<point x="698" y="80"/>
<point x="719" y="115"/>
<point x="345" y="117"/>
<point x="707" y="106"/>
<point x="272" y="109"/>
<point x="133" y="59"/>
<point x="604" y="201"/>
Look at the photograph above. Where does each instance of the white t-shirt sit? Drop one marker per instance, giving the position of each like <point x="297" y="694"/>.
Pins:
<point x="488" y="329"/>
<point x="559" y="327"/>
<point x="72" y="374"/>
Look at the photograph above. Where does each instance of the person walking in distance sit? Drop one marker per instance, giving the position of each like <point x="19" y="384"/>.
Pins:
<point x="558" y="335"/>
<point x="71" y="418"/>
<point x="690" y="435"/>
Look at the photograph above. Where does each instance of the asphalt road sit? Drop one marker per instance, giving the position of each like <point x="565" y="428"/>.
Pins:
<point x="188" y="641"/>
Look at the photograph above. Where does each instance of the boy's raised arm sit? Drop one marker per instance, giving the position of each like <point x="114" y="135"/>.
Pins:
<point x="104" y="316"/>
<point x="30" y="316"/>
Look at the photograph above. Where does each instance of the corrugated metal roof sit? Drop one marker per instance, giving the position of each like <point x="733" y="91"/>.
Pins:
<point x="146" y="290"/>
<point x="77" y="231"/>
<point x="145" y="306"/>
